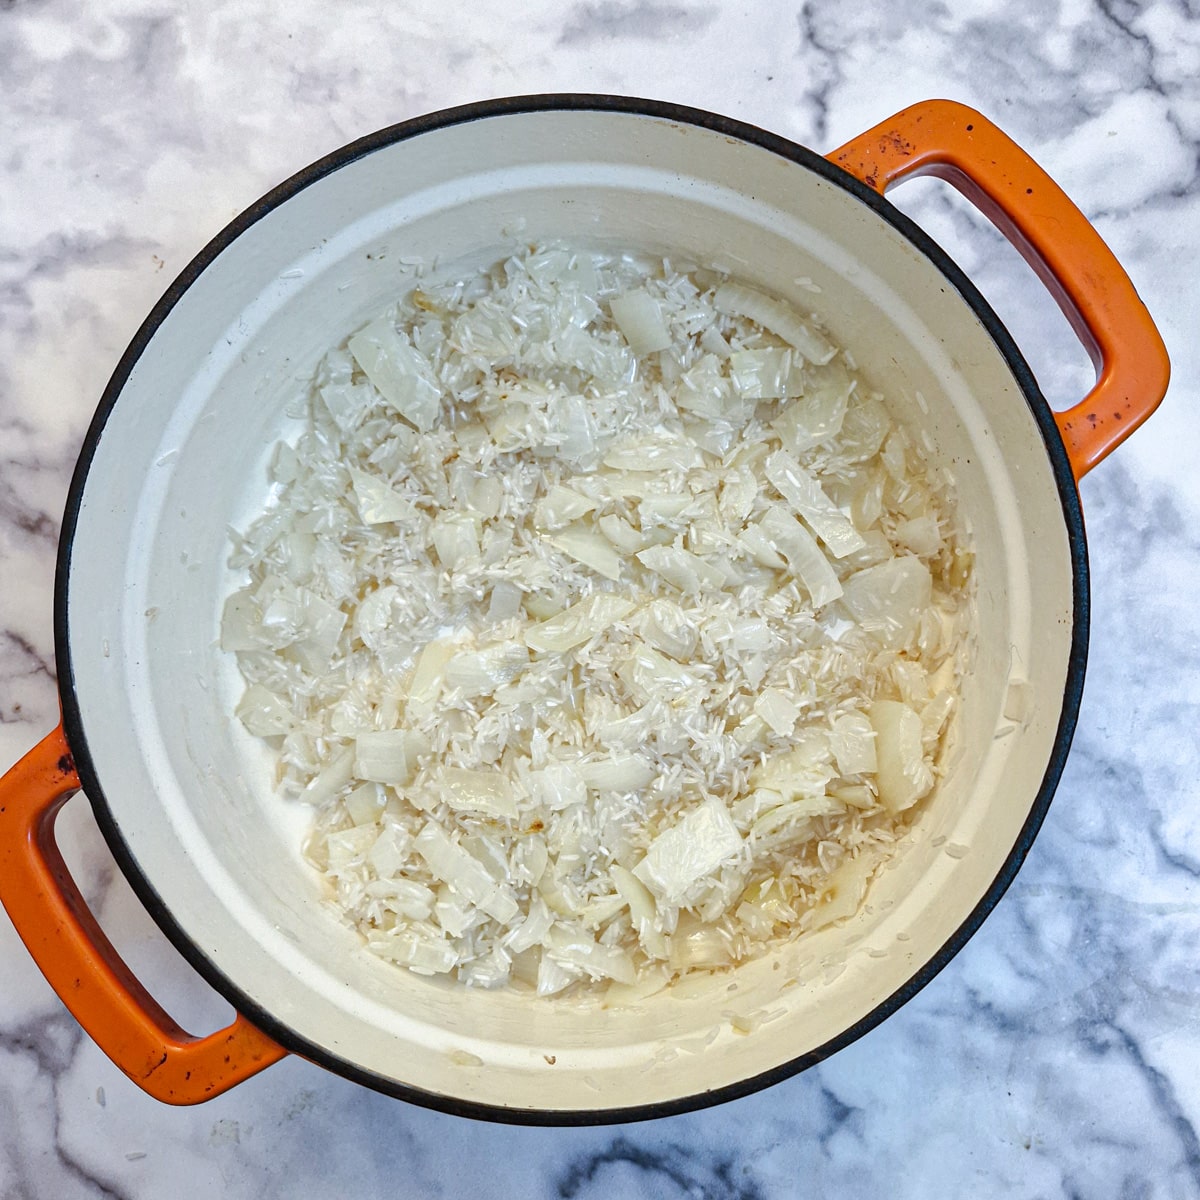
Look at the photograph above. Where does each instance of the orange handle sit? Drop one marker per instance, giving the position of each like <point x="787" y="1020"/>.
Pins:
<point x="81" y="964"/>
<point x="955" y="143"/>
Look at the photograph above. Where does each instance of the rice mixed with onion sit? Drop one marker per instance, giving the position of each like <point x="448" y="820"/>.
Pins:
<point x="609" y="623"/>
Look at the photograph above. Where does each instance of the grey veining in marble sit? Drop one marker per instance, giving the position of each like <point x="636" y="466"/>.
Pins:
<point x="1059" y="1054"/>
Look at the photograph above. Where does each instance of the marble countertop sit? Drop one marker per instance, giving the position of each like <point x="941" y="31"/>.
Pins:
<point x="1059" y="1053"/>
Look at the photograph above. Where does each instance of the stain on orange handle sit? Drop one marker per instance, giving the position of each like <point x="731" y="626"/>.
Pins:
<point x="82" y="965"/>
<point x="955" y="143"/>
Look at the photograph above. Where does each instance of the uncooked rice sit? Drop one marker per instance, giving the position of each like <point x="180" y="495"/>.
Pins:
<point x="608" y="621"/>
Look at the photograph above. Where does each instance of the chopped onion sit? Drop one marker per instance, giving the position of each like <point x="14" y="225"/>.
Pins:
<point x="667" y="627"/>
<point x="688" y="851"/>
<point x="557" y="786"/>
<point x="466" y="875"/>
<point x="642" y="909"/>
<point x="853" y="743"/>
<point x="389" y="756"/>
<point x="347" y="847"/>
<point x="578" y="623"/>
<point x="364" y="804"/>
<point x="374" y="615"/>
<point x="456" y="539"/>
<point x="681" y="568"/>
<point x="639" y="318"/>
<point x="430" y="671"/>
<point x="802" y="771"/>
<point x="649" y="675"/>
<point x="486" y="792"/>
<point x="561" y="506"/>
<point x="804" y="494"/>
<point x="655" y="454"/>
<point x="330" y="780"/>
<point x="844" y="892"/>
<point x="481" y="672"/>
<point x="761" y="374"/>
<point x="818" y="415"/>
<point x="607" y="637"/>
<point x="533" y="929"/>
<point x="263" y="713"/>
<point x="778" y="709"/>
<point x="920" y="535"/>
<point x="590" y="547"/>
<point x="695" y="946"/>
<point x="620" y="773"/>
<point x="704" y="390"/>
<point x="902" y="773"/>
<point x="427" y="955"/>
<point x="789" y="817"/>
<point x="889" y="599"/>
<point x="735" y="299"/>
<point x="390" y="851"/>
<point x="578" y="950"/>
<point x="241" y="623"/>
<point x="622" y="535"/>
<point x="398" y="372"/>
<point x="377" y="502"/>
<point x="784" y="535"/>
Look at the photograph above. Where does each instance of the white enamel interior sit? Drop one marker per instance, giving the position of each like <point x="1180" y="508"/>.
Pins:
<point x="182" y="458"/>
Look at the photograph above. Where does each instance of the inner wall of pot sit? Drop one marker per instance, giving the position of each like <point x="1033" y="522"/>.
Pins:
<point x="182" y="458"/>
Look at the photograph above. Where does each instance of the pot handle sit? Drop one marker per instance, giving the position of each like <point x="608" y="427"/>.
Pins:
<point x="81" y="964"/>
<point x="953" y="142"/>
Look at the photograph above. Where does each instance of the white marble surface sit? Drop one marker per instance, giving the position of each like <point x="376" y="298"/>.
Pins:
<point x="1059" y="1054"/>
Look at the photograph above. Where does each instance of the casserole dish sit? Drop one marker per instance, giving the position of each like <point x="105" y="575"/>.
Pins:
<point x="175" y="456"/>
